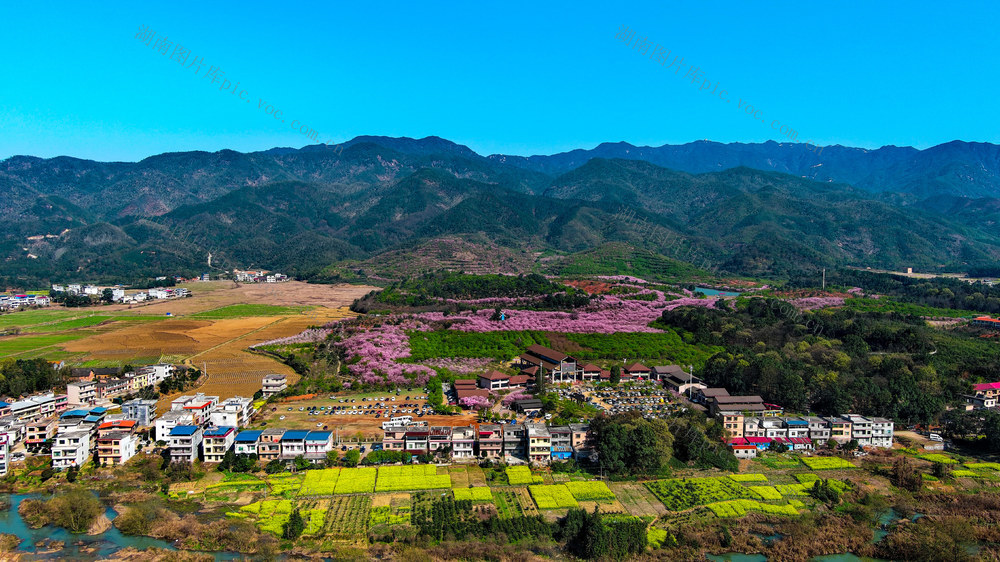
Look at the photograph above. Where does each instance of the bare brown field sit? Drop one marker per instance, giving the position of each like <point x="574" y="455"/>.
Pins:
<point x="219" y="345"/>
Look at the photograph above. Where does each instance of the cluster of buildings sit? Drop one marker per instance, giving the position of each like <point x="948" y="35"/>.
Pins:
<point x="14" y="302"/>
<point x="754" y="425"/>
<point x="559" y="367"/>
<point x="260" y="276"/>
<point x="95" y="385"/>
<point x="535" y="442"/>
<point x="118" y="292"/>
<point x="985" y="396"/>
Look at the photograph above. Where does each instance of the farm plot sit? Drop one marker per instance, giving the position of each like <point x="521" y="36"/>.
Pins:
<point x="590" y="491"/>
<point x="244" y="310"/>
<point x="480" y="494"/>
<point x="637" y="499"/>
<point x="284" y="483"/>
<point x="507" y="505"/>
<point x="416" y="477"/>
<point x="739" y="508"/>
<point x="678" y="494"/>
<point x="826" y="463"/>
<point x="356" y="480"/>
<point x="320" y="482"/>
<point x="347" y="517"/>
<point x="527" y="504"/>
<point x="938" y="457"/>
<point x="552" y="496"/>
<point x="518" y="475"/>
<point x="270" y="515"/>
<point x="748" y="477"/>
<point x="766" y="492"/>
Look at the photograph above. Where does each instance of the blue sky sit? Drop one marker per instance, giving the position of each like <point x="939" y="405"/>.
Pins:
<point x="516" y="78"/>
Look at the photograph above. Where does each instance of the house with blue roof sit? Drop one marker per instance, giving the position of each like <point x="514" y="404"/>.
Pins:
<point x="246" y="442"/>
<point x="217" y="442"/>
<point x="318" y="444"/>
<point x="293" y="444"/>
<point x="185" y="443"/>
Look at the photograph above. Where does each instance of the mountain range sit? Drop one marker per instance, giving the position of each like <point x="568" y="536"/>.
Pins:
<point x="382" y="206"/>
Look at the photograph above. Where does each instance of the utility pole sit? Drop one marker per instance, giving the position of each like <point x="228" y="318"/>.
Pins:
<point x="824" y="278"/>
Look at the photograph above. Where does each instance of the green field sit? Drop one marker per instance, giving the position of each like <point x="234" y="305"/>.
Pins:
<point x="71" y="324"/>
<point x="245" y="310"/>
<point x="24" y="318"/>
<point x="22" y="344"/>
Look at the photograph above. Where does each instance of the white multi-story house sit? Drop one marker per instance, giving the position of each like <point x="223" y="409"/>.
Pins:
<point x="882" y="432"/>
<point x="170" y="420"/>
<point x="4" y="454"/>
<point x="246" y="442"/>
<point x="199" y="405"/>
<point x="273" y="384"/>
<point x="83" y="393"/>
<point x="819" y="430"/>
<point x="235" y="412"/>
<point x="318" y="444"/>
<point x="70" y="448"/>
<point x="463" y="442"/>
<point x="184" y="443"/>
<point x="861" y="429"/>
<point x="217" y="441"/>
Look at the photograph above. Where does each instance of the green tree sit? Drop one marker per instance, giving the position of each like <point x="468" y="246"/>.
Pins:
<point x="352" y="458"/>
<point x="616" y="375"/>
<point x="293" y="528"/>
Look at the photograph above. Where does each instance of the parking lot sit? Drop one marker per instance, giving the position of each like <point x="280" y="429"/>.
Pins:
<point x="354" y="415"/>
<point x="651" y="400"/>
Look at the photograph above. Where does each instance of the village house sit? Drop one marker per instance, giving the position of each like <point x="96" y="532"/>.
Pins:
<point x="417" y="439"/>
<point x="463" y="442"/>
<point x="293" y="444"/>
<point x="861" y="429"/>
<point x="115" y="448"/>
<point x="82" y="393"/>
<point x="216" y="442"/>
<point x="513" y="440"/>
<point x="819" y="429"/>
<point x="142" y="411"/>
<point x="882" y="432"/>
<point x="70" y="448"/>
<point x="318" y="444"/>
<point x="200" y="406"/>
<point x="562" y="442"/>
<point x="169" y="420"/>
<point x="273" y="384"/>
<point x="38" y="434"/>
<point x="184" y="443"/>
<point x="582" y="441"/>
<point x="439" y="438"/>
<point x="246" y="442"/>
<point x="394" y="437"/>
<point x="269" y="446"/>
<point x="539" y="442"/>
<point x="235" y="411"/>
<point x="490" y="441"/>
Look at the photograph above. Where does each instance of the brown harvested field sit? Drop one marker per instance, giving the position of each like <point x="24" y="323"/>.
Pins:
<point x="219" y="344"/>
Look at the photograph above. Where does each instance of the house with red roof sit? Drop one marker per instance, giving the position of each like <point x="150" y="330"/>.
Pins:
<point x="987" y="389"/>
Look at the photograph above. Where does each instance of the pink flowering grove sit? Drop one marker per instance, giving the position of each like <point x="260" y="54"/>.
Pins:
<point x="814" y="303"/>
<point x="475" y="402"/>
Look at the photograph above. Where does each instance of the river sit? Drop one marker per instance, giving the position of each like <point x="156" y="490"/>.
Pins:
<point x="76" y="547"/>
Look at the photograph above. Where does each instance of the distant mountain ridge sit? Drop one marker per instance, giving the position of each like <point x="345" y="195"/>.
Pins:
<point x="744" y="208"/>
